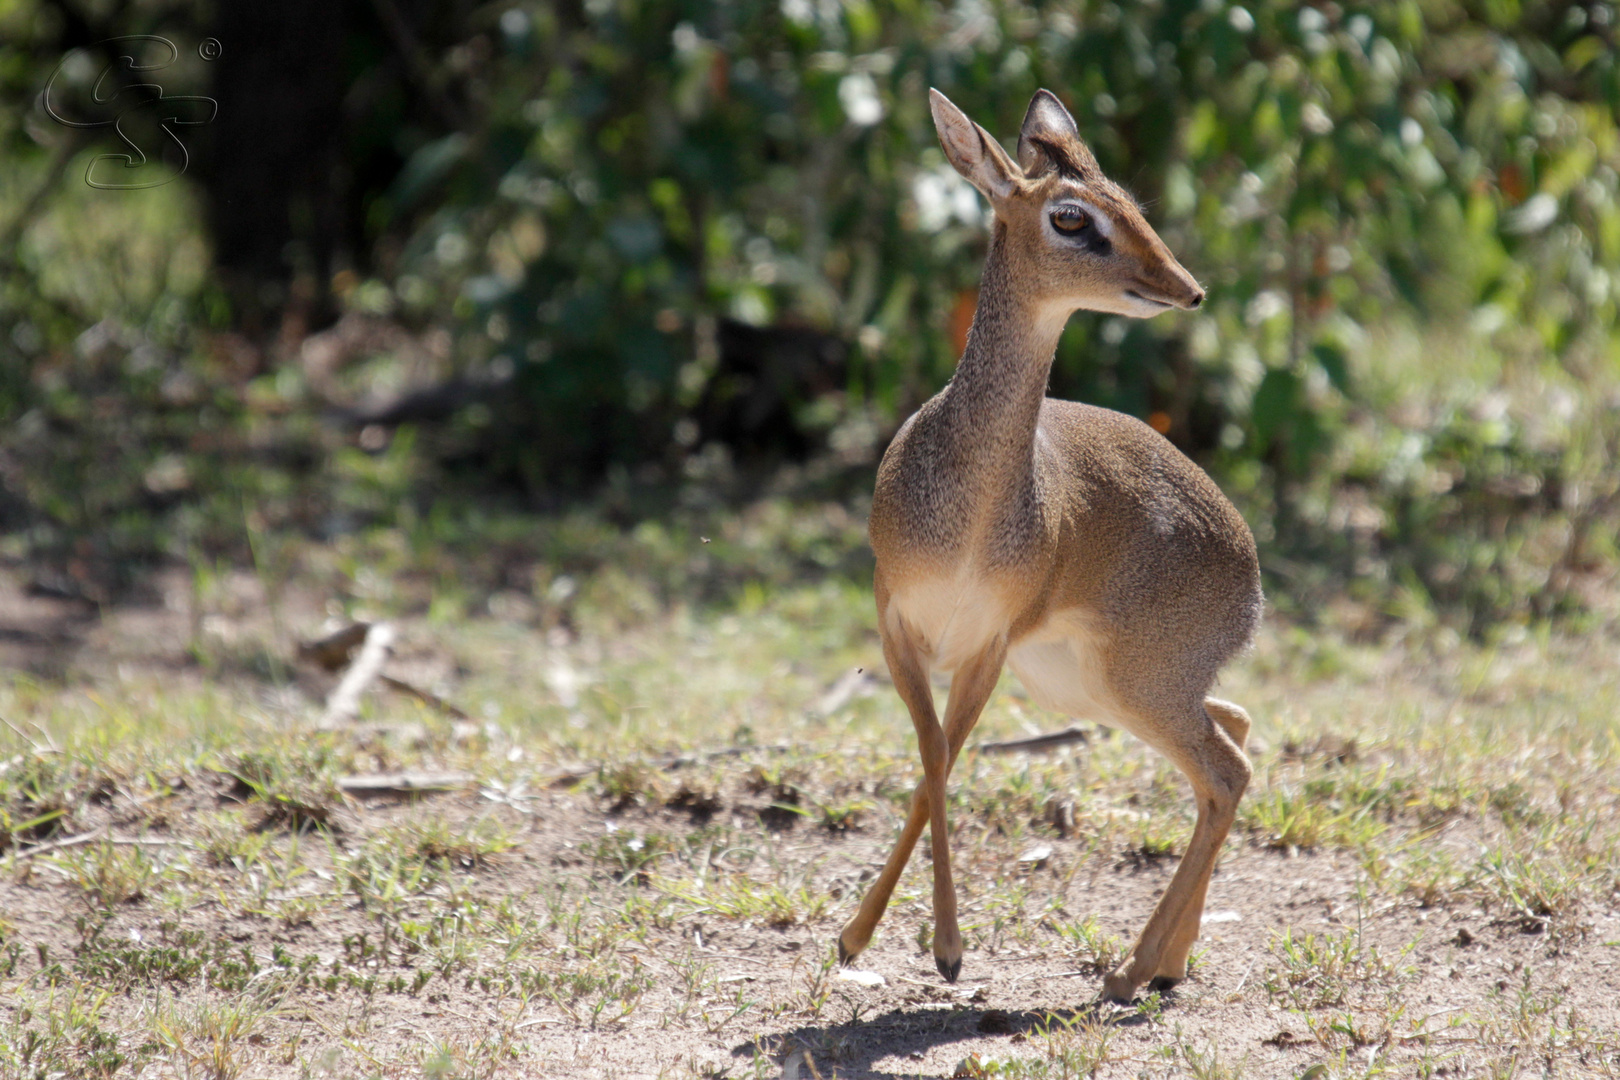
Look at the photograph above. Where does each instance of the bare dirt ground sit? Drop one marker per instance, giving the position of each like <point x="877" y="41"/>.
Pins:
<point x="208" y="901"/>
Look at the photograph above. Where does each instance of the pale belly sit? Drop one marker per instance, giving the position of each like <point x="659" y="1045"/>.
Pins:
<point x="1062" y="665"/>
<point x="952" y="618"/>
<point x="1060" y="662"/>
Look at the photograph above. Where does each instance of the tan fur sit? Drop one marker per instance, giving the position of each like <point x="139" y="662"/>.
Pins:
<point x="1072" y="543"/>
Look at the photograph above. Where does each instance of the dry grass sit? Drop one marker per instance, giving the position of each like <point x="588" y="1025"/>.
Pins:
<point x="1423" y="881"/>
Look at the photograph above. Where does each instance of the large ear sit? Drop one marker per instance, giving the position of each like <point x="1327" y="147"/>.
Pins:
<point x="1050" y="138"/>
<point x="972" y="151"/>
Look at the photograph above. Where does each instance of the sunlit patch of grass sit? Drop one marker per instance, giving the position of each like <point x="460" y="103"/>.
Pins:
<point x="109" y="874"/>
<point x="1532" y="890"/>
<point x="294" y="784"/>
<point x="1515" y="804"/>
<point x="738" y="896"/>
<point x="37" y="794"/>
<point x="433" y="838"/>
<point x="1004" y="914"/>
<point x="1286" y="817"/>
<point x="630" y="783"/>
<point x="225" y="840"/>
<point x="1537" y="1023"/>
<point x="1433" y="876"/>
<point x="410" y="857"/>
<point x="1318" y="971"/>
<point x="1452" y="796"/>
<point x="1085" y="942"/>
<point x="631" y="855"/>
<point x="1207" y="1063"/>
<point x="1016" y="797"/>
<point x="1075" y="1046"/>
<point x="452" y="1059"/>
<point x="209" y="1037"/>
<point x="64" y="1032"/>
<point x="37" y="826"/>
<point x="177" y="959"/>
<point x="1154" y="837"/>
<point x="842" y="817"/>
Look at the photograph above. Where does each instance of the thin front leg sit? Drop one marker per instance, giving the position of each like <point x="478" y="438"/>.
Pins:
<point x="970" y="689"/>
<point x="857" y="933"/>
<point x="910" y="677"/>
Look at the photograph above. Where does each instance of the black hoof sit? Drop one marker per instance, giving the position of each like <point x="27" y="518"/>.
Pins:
<point x="949" y="970"/>
<point x="1161" y="983"/>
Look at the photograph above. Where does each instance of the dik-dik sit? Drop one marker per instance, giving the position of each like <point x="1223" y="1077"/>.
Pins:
<point x="1074" y="544"/>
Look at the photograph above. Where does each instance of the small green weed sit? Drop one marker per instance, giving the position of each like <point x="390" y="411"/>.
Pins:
<point x="1087" y="944"/>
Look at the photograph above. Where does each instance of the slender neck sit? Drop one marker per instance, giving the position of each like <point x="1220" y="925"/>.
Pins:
<point x="994" y="399"/>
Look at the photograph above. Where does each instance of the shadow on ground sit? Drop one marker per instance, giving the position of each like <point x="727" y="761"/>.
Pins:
<point x="40" y="634"/>
<point x="854" y="1048"/>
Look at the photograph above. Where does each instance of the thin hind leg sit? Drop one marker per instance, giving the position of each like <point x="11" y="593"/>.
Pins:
<point x="1200" y="741"/>
<point x="1233" y="720"/>
<point x="1173" y="966"/>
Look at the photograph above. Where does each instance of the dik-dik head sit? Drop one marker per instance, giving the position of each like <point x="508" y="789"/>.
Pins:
<point x="1074" y="237"/>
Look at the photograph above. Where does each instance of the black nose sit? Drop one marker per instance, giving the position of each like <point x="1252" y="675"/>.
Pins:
<point x="1196" y="301"/>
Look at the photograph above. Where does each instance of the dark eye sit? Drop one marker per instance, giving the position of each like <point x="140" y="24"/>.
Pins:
<point x="1069" y="219"/>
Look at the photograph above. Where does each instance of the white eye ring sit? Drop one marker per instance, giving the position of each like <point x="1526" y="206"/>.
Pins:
<point x="1070" y="219"/>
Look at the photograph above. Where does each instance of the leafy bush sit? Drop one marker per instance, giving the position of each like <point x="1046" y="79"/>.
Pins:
<point x="629" y="187"/>
<point x="661" y="166"/>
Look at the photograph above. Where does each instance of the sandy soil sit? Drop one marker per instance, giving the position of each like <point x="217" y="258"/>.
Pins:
<point x="1459" y="989"/>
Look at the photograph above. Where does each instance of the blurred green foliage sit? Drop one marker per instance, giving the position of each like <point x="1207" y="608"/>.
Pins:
<point x="1407" y="215"/>
<point x="1320" y="167"/>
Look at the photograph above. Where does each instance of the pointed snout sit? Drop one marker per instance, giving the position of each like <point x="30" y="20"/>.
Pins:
<point x="1178" y="286"/>
<point x="1168" y="283"/>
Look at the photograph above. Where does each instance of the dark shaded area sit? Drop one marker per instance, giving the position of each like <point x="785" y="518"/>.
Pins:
<point x="765" y="378"/>
<point x="275" y="168"/>
<point x="852" y="1049"/>
<point x="318" y="109"/>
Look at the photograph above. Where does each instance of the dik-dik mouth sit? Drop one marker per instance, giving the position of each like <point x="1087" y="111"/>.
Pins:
<point x="1159" y="302"/>
<point x="1134" y="295"/>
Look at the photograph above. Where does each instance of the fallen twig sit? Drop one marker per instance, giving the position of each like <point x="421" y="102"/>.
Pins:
<point x="839" y="694"/>
<point x="1241" y="982"/>
<point x="50" y="746"/>
<point x="344" y="703"/>
<point x="94" y="836"/>
<point x="404" y="783"/>
<point x="66" y="842"/>
<point x="1072" y="734"/>
<point x="427" y="698"/>
<point x="668" y="762"/>
<point x="332" y="652"/>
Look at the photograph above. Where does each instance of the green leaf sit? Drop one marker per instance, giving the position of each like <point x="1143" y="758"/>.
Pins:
<point x="1335" y="363"/>
<point x="1276" y="400"/>
<point x="430" y="164"/>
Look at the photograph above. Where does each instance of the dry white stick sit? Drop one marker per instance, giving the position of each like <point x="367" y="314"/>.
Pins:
<point x="344" y="703"/>
<point x="839" y="694"/>
<point x="98" y="836"/>
<point x="55" y="845"/>
<point x="404" y="783"/>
